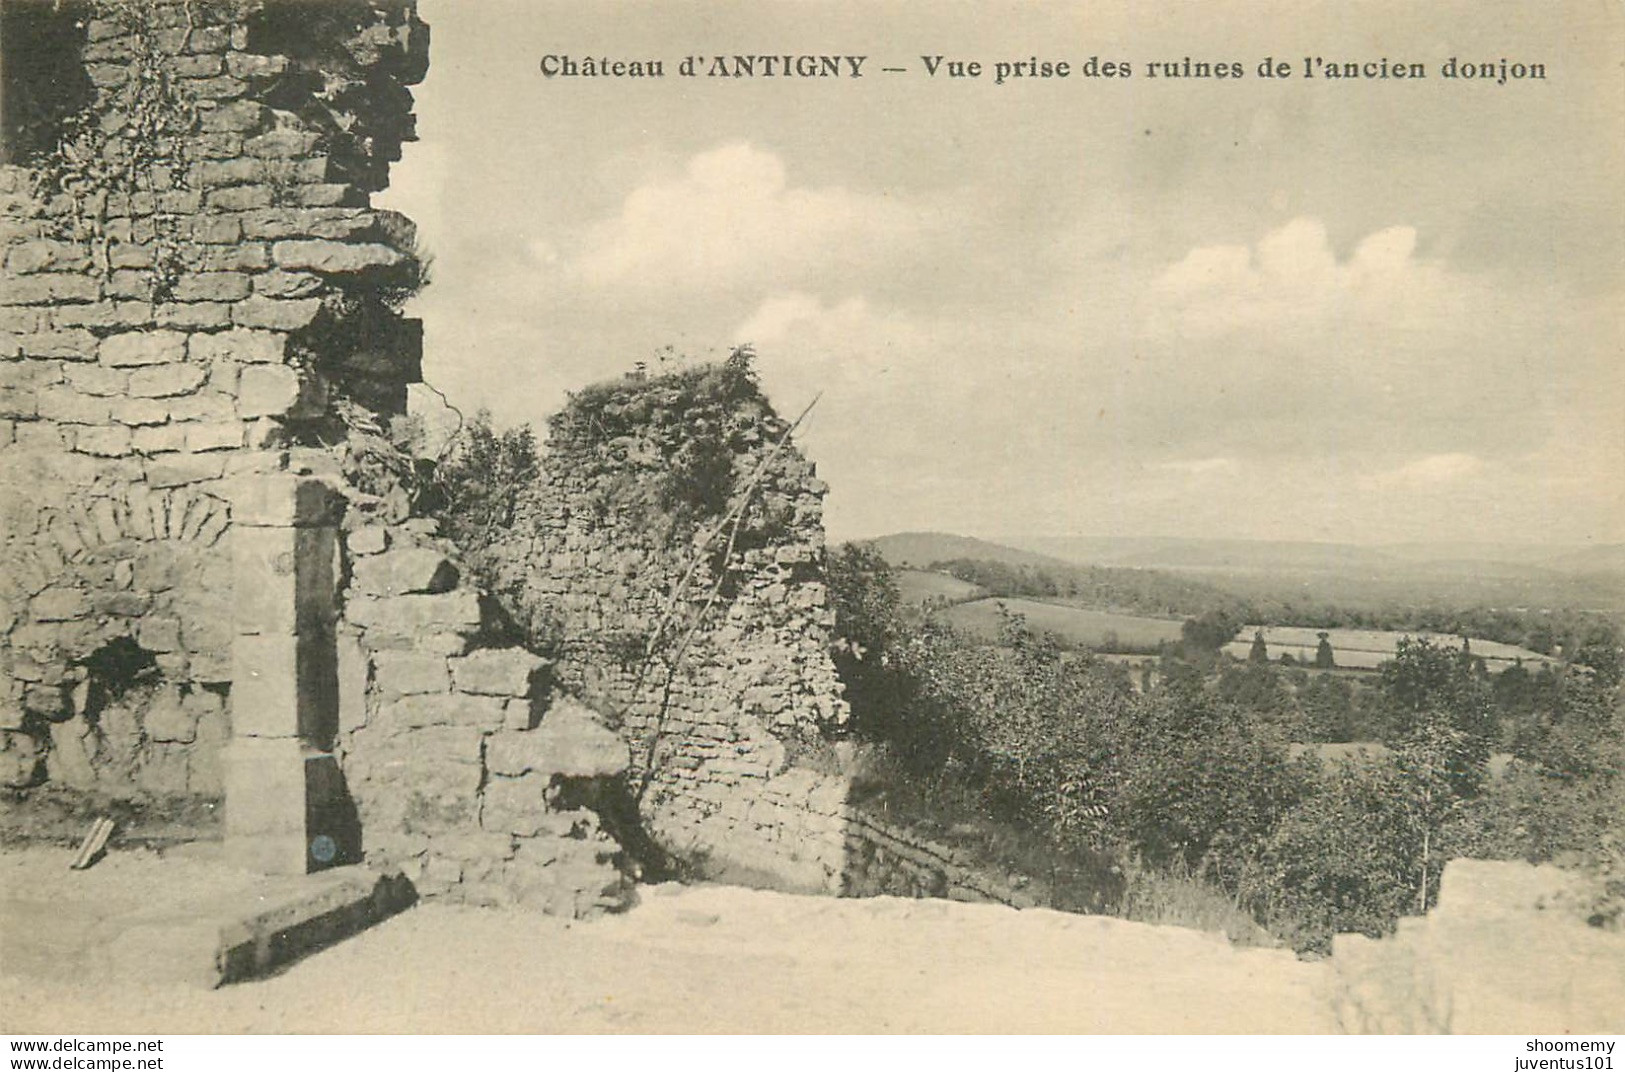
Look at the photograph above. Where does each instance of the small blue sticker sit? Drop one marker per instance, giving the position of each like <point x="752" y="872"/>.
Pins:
<point x="323" y="848"/>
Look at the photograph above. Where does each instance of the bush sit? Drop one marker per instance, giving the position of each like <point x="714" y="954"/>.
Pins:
<point x="1343" y="859"/>
<point x="475" y="491"/>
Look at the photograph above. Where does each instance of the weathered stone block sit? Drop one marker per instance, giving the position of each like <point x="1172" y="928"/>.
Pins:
<point x="240" y="198"/>
<point x="406" y="673"/>
<point x="405" y="571"/>
<point x="520" y="714"/>
<point x="167" y="718"/>
<point x="283" y="579"/>
<point x="74" y="344"/>
<point x="238" y="116"/>
<point x="203" y="406"/>
<point x="335" y="257"/>
<point x="68" y="763"/>
<point x="515" y="805"/>
<point x="227" y="172"/>
<point x="265" y="786"/>
<point x="286" y="686"/>
<point x="571" y="741"/>
<point x="282" y="142"/>
<point x="441" y="709"/>
<point x="64" y="404"/>
<point x="59" y="604"/>
<point x="354" y="673"/>
<point x="175" y="470"/>
<point x="278" y="314"/>
<point x="499" y="672"/>
<point x="238" y="257"/>
<point x="49" y="289"/>
<point x="205" y="316"/>
<point x="368" y="540"/>
<point x="214" y="435"/>
<point x="159" y="634"/>
<point x="280" y="284"/>
<point x="287" y="807"/>
<point x="279" y="391"/>
<point x="41" y="253"/>
<point x="384" y="755"/>
<point x="284" y="500"/>
<point x="327" y="195"/>
<point x="457" y="611"/>
<point x="158" y="439"/>
<point x="248" y="347"/>
<point x="213" y="286"/>
<point x="134" y="348"/>
<point x="329" y="223"/>
<point x="106" y="442"/>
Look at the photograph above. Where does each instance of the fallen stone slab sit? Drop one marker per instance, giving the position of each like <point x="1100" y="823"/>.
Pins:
<point x="240" y="929"/>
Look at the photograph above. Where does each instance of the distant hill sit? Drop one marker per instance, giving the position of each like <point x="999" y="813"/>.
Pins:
<point x="1196" y="553"/>
<point x="1604" y="558"/>
<point x="1004" y="571"/>
<point x="921" y="549"/>
<point x="1295" y="573"/>
<point x="1290" y="580"/>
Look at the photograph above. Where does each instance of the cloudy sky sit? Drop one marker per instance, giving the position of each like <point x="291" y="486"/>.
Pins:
<point x="1289" y="309"/>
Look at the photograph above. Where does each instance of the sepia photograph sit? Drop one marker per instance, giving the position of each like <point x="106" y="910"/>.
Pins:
<point x="815" y="517"/>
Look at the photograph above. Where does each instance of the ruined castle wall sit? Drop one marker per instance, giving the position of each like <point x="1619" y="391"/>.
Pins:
<point x="178" y="295"/>
<point x="673" y="555"/>
<point x="472" y="773"/>
<point x="210" y="579"/>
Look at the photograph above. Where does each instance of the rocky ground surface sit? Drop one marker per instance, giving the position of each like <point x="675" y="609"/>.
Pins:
<point x="706" y="959"/>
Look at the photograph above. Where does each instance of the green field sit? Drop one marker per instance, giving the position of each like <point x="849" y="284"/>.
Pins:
<point x="1096" y="629"/>
<point x="1366" y="649"/>
<point x="925" y="586"/>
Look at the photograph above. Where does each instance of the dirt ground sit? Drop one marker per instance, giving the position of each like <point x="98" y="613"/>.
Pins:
<point x="717" y="959"/>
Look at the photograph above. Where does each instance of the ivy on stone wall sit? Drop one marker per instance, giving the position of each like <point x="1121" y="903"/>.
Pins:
<point x="682" y="437"/>
<point x="120" y="172"/>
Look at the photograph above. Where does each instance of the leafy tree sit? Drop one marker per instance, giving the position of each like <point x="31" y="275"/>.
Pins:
<point x="1209" y="632"/>
<point x="1196" y="784"/>
<point x="868" y="636"/>
<point x="1259" y="652"/>
<point x="1323" y="652"/>
<point x="1342" y="860"/>
<point x="1429" y="763"/>
<point x="1328" y="709"/>
<point x="1427" y="686"/>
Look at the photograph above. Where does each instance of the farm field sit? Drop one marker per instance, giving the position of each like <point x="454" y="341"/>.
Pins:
<point x="1366" y="649"/>
<point x="1084" y="627"/>
<point x="922" y="586"/>
<point x="1100" y="630"/>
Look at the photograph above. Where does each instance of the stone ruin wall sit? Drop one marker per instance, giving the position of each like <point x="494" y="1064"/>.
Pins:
<point x="205" y="590"/>
<point x="473" y="773"/>
<point x="202" y="593"/>
<point x="738" y="679"/>
<point x="169" y="329"/>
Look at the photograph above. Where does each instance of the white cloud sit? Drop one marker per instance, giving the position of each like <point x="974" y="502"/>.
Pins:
<point x="1291" y="280"/>
<point x="732" y="216"/>
<point x="1431" y="471"/>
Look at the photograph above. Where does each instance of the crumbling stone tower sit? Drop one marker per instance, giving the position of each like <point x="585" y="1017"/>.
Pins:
<point x="194" y="288"/>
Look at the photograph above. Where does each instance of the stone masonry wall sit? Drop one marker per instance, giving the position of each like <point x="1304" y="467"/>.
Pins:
<point x="471" y="772"/>
<point x="673" y="557"/>
<point x="888" y="858"/>
<point x="210" y="581"/>
<point x="180" y="297"/>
